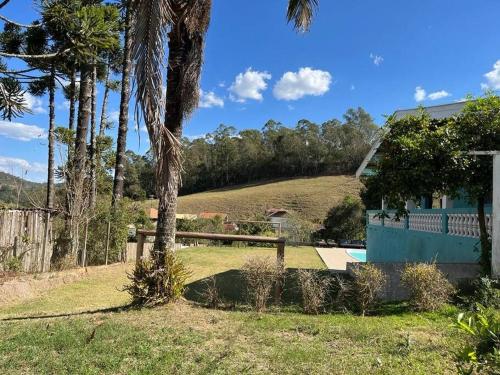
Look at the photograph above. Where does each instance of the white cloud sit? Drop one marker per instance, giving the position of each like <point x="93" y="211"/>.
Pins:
<point x="421" y="95"/>
<point x="249" y="85"/>
<point x="14" y="165"/>
<point x="438" y="95"/>
<point x="352" y="88"/>
<point x="493" y="78"/>
<point x="34" y="104"/>
<point x="307" y="81"/>
<point x="19" y="131"/>
<point x="193" y="137"/>
<point x="377" y="60"/>
<point x="210" y="99"/>
<point x="64" y="105"/>
<point x="114" y="116"/>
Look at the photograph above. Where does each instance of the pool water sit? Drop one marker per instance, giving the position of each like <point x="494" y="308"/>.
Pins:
<point x="359" y="255"/>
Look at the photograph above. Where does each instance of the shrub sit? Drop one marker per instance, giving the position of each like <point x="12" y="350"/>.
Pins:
<point x="210" y="293"/>
<point x="429" y="289"/>
<point x="260" y="274"/>
<point x="368" y="282"/>
<point x="150" y="286"/>
<point x="481" y="354"/>
<point x="345" y="221"/>
<point x="314" y="289"/>
<point x="486" y="292"/>
<point x="14" y="264"/>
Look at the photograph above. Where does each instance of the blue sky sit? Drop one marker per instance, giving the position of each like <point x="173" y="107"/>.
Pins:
<point x="381" y="55"/>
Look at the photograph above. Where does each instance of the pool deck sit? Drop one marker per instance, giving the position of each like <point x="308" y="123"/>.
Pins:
<point x="335" y="258"/>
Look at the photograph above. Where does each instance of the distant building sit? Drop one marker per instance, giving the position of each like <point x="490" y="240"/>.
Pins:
<point x="278" y="218"/>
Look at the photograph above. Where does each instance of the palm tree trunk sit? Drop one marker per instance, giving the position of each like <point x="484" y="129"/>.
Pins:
<point x="167" y="167"/>
<point x="484" y="238"/>
<point x="121" y="142"/>
<point x="50" y="168"/>
<point x="93" y="163"/>
<point x="102" y="124"/>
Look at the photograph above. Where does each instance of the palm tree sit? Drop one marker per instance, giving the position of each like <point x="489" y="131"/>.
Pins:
<point x="183" y="25"/>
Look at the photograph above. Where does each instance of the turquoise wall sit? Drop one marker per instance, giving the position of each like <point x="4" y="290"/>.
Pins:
<point x="402" y="245"/>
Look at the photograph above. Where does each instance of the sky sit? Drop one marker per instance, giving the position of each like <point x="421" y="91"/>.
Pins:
<point x="381" y="55"/>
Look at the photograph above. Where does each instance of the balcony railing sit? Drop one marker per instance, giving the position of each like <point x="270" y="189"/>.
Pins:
<point x="453" y="222"/>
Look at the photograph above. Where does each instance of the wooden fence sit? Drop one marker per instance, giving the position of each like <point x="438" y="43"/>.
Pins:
<point x="26" y="235"/>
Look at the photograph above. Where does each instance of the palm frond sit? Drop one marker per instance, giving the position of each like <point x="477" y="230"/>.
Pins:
<point x="152" y="20"/>
<point x="301" y="13"/>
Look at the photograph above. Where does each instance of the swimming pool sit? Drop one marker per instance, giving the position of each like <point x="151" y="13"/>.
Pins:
<point x="359" y="255"/>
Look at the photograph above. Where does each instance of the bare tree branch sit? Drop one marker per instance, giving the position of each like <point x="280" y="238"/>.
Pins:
<point x="3" y="18"/>
<point x="3" y="3"/>
<point x="45" y="56"/>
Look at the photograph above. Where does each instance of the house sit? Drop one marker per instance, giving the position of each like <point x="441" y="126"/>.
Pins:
<point x="278" y="218"/>
<point x="212" y="215"/>
<point x="443" y="230"/>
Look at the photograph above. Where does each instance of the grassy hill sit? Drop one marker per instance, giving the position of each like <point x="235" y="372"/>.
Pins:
<point x="9" y="186"/>
<point x="309" y="197"/>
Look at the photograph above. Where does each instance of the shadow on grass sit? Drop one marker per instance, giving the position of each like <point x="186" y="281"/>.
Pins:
<point x="116" y="309"/>
<point x="231" y="286"/>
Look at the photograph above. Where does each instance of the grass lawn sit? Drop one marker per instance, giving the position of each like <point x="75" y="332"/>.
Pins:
<point x="188" y="339"/>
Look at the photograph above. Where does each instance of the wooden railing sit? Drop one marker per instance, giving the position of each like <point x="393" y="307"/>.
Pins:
<point x="280" y="244"/>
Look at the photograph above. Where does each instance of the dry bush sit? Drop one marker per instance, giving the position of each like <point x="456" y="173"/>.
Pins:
<point x="429" y="289"/>
<point x="368" y="282"/>
<point x="210" y="294"/>
<point x="260" y="274"/>
<point x="63" y="263"/>
<point x="314" y="289"/>
<point x="150" y="286"/>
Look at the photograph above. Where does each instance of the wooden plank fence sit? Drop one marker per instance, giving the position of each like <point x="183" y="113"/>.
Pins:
<point x="27" y="235"/>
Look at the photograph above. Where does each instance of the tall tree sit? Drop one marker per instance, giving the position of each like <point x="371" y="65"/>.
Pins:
<point x="121" y="141"/>
<point x="184" y="24"/>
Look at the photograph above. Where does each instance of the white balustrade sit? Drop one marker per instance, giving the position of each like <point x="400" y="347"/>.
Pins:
<point x="374" y="219"/>
<point x="393" y="223"/>
<point x="426" y="222"/>
<point x="466" y="224"/>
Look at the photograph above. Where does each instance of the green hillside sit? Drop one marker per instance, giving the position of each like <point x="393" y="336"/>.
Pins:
<point x="11" y="186"/>
<point x="309" y="197"/>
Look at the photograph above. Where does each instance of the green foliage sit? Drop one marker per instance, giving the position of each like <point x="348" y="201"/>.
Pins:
<point x="12" y="101"/>
<point x="151" y="285"/>
<point x="345" y="221"/>
<point x="486" y="292"/>
<point x="227" y="157"/>
<point x="481" y="355"/>
<point x="298" y="229"/>
<point x="14" y="264"/>
<point x="429" y="289"/>
<point x="125" y="214"/>
<point x="420" y="156"/>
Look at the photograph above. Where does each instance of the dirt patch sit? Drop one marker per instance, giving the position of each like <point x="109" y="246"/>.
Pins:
<point x="15" y="288"/>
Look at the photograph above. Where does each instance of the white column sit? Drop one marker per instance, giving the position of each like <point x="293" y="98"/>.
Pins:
<point x="446" y="202"/>
<point x="495" y="253"/>
<point x="383" y="204"/>
<point x="410" y="205"/>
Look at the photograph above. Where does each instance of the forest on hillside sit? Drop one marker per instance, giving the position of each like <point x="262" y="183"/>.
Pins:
<point x="228" y="157"/>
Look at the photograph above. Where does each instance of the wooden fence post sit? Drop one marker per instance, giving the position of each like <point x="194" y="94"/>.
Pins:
<point x="141" y="238"/>
<point x="280" y="263"/>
